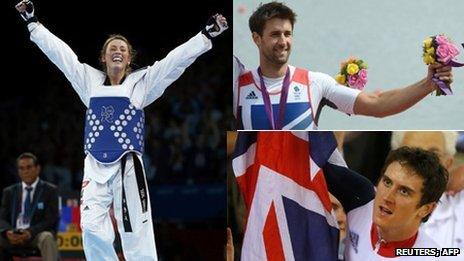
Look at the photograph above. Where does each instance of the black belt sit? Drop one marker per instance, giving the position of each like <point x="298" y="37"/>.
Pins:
<point x="142" y="188"/>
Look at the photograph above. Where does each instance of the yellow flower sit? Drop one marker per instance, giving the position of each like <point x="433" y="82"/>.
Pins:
<point x="428" y="59"/>
<point x="428" y="43"/>
<point x="430" y="51"/>
<point x="340" y="78"/>
<point x="352" y="68"/>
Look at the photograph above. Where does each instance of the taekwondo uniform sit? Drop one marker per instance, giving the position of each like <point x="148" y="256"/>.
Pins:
<point x="308" y="92"/>
<point x="113" y="144"/>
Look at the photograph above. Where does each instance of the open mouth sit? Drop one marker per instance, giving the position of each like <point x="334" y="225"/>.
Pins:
<point x="117" y="58"/>
<point x="385" y="211"/>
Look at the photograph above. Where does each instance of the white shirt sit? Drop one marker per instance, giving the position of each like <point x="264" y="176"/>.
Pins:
<point x="20" y="222"/>
<point x="446" y="224"/>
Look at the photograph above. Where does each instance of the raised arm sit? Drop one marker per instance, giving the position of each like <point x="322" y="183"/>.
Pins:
<point x="56" y="50"/>
<point x="349" y="187"/>
<point x="162" y="73"/>
<point x="395" y="101"/>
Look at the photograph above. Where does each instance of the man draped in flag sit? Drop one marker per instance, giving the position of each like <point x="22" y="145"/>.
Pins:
<point x="381" y="221"/>
<point x="284" y="186"/>
<point x="281" y="178"/>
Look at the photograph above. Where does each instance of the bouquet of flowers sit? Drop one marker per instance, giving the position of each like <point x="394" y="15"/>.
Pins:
<point x="353" y="73"/>
<point x="440" y="49"/>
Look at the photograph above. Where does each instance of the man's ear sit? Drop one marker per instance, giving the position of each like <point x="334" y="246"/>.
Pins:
<point x="256" y="38"/>
<point x="426" y="209"/>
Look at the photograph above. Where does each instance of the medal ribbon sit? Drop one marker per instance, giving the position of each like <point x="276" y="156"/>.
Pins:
<point x="282" y="103"/>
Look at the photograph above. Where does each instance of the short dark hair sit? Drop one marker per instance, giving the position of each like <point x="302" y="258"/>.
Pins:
<point x="27" y="155"/>
<point x="425" y="164"/>
<point x="266" y="12"/>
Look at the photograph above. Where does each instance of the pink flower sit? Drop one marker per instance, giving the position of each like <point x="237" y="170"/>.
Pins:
<point x="352" y="79"/>
<point x="360" y="83"/>
<point x="363" y="75"/>
<point x="441" y="39"/>
<point x="446" y="52"/>
<point x="357" y="81"/>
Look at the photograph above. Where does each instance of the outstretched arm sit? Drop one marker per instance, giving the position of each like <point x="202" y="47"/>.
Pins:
<point x="397" y="100"/>
<point x="169" y="69"/>
<point x="56" y="50"/>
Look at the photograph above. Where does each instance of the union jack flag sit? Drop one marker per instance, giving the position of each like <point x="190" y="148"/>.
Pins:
<point x="280" y="175"/>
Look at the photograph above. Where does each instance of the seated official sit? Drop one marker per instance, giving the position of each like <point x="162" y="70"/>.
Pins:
<point x="29" y="212"/>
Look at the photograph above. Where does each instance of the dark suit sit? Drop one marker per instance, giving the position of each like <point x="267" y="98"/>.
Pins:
<point x="44" y="217"/>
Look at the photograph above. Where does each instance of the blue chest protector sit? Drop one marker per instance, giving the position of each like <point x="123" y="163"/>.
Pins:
<point x="113" y="127"/>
